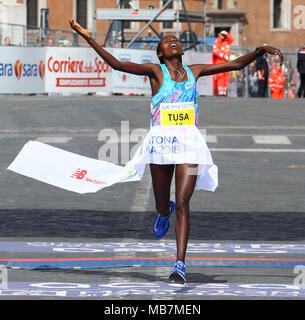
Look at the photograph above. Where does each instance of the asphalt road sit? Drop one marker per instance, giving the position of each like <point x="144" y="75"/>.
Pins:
<point x="258" y="145"/>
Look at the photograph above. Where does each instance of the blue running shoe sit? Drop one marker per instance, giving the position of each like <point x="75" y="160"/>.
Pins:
<point x="178" y="274"/>
<point x="161" y="223"/>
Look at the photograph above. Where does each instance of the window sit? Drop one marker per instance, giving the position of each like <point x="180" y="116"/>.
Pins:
<point x="81" y="13"/>
<point x="280" y="15"/>
<point x="32" y="13"/>
<point x="126" y="5"/>
<point x="219" y="4"/>
<point x="130" y="4"/>
<point x="168" y="25"/>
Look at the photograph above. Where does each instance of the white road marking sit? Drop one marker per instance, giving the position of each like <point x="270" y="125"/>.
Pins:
<point x="271" y="139"/>
<point x="142" y="194"/>
<point x="258" y="127"/>
<point x="54" y="139"/>
<point x="211" y="139"/>
<point x="256" y="150"/>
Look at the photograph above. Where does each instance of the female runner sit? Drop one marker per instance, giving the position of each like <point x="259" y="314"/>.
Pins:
<point x="172" y="82"/>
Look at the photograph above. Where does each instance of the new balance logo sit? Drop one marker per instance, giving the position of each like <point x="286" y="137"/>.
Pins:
<point x="79" y="174"/>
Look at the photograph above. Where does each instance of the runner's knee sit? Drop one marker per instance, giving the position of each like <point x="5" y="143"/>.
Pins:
<point x="182" y="206"/>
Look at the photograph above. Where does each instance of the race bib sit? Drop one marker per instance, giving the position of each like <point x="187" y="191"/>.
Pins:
<point x="177" y="114"/>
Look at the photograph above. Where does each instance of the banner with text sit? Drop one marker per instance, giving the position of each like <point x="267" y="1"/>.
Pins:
<point x="22" y="70"/>
<point x="78" y="70"/>
<point x="204" y="84"/>
<point x="128" y="83"/>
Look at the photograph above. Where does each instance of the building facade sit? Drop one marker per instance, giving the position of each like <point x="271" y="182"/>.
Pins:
<point x="252" y="23"/>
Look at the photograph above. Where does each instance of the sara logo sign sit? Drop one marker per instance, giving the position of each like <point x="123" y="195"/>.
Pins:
<point x="29" y="70"/>
<point x="20" y="69"/>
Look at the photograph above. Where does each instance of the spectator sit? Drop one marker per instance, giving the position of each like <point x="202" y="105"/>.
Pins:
<point x="240" y="83"/>
<point x="7" y="41"/>
<point x="301" y="70"/>
<point x="262" y="69"/>
<point x="253" y="80"/>
<point x="43" y="42"/>
<point x="50" y="42"/>
<point x="277" y="82"/>
<point x="221" y="54"/>
<point x="63" y="41"/>
<point x="272" y="65"/>
<point x="291" y="91"/>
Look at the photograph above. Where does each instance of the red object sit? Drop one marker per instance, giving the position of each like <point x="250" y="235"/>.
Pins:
<point x="221" y="54"/>
<point x="276" y="83"/>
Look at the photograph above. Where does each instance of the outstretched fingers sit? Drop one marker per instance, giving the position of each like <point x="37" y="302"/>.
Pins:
<point x="71" y="22"/>
<point x="269" y="49"/>
<point x="79" y="29"/>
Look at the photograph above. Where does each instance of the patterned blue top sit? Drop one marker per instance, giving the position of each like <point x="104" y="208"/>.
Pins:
<point x="172" y="91"/>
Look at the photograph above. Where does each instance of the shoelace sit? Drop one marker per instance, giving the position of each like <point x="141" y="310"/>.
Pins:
<point x="180" y="266"/>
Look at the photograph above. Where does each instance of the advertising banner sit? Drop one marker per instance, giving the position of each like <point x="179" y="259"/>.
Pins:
<point x="133" y="84"/>
<point x="68" y="170"/>
<point x="22" y="70"/>
<point x="78" y="70"/>
<point x="204" y="84"/>
<point x="128" y="83"/>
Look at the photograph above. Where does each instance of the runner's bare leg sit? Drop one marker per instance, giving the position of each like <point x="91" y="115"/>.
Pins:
<point x="185" y="176"/>
<point x="161" y="179"/>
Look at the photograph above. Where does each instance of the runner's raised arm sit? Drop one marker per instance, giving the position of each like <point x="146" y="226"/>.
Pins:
<point x="146" y="69"/>
<point x="201" y="70"/>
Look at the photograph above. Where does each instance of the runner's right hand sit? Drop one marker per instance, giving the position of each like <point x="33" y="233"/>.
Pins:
<point x="79" y="29"/>
<point x="269" y="49"/>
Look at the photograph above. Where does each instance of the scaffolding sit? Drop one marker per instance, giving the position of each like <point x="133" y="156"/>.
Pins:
<point x="164" y="14"/>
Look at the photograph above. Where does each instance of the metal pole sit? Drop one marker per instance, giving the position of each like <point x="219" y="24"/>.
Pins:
<point x="194" y="44"/>
<point x="122" y="25"/>
<point x="24" y="36"/>
<point x="204" y="38"/>
<point x="148" y="23"/>
<point x="155" y="31"/>
<point x="187" y="16"/>
<point x="177" y="19"/>
<point x="94" y="19"/>
<point x="247" y="80"/>
<point x="118" y="5"/>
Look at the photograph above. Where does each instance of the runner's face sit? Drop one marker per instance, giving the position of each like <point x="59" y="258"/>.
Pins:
<point x="170" y="46"/>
